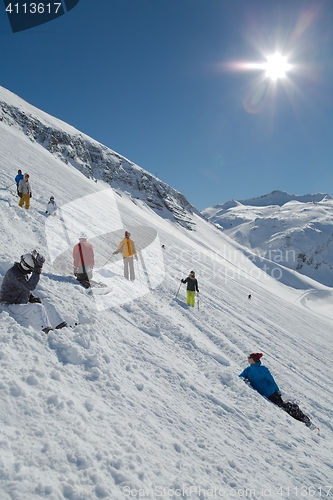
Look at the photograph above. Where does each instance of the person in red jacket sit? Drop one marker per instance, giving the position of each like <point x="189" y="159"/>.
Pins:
<point x="84" y="260"/>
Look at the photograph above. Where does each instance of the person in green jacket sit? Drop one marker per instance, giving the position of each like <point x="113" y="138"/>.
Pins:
<point x="192" y="287"/>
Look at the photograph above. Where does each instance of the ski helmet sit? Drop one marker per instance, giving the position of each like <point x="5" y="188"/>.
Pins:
<point x="192" y="273"/>
<point x="52" y="198"/>
<point x="27" y="262"/>
<point x="83" y="236"/>
<point x="127" y="234"/>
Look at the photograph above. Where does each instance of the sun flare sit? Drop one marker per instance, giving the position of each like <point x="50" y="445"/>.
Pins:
<point x="272" y="75"/>
<point x="276" y="67"/>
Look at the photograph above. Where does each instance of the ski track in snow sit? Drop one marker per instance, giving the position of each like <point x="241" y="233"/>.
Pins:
<point x="146" y="394"/>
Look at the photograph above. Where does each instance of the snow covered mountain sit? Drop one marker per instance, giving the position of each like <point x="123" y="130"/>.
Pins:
<point x="290" y="230"/>
<point x="142" y="399"/>
<point x="93" y="159"/>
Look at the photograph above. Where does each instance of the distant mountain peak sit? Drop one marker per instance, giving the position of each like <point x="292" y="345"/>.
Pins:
<point x="295" y="229"/>
<point x="276" y="197"/>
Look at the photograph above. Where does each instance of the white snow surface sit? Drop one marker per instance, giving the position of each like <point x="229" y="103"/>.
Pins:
<point x="142" y="399"/>
<point x="285" y="229"/>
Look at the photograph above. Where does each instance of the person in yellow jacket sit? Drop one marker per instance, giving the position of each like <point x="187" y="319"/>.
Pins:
<point x="128" y="250"/>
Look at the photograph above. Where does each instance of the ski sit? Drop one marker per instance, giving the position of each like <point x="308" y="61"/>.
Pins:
<point x="90" y="283"/>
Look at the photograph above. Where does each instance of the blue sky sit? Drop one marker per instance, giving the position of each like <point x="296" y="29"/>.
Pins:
<point x="161" y="82"/>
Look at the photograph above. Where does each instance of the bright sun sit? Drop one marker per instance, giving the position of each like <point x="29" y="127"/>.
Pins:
<point x="276" y="66"/>
<point x="265" y="86"/>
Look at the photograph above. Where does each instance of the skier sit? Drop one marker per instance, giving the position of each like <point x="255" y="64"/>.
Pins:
<point x="52" y="207"/>
<point x="17" y="180"/>
<point x="192" y="286"/>
<point x="84" y="260"/>
<point x="128" y="250"/>
<point x="16" y="291"/>
<point x="262" y="381"/>
<point x="25" y="192"/>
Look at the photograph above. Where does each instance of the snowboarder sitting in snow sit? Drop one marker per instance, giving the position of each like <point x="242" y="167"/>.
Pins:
<point x="16" y="291"/>
<point x="192" y="286"/>
<point x="51" y="208"/>
<point x="18" y="178"/>
<point x="128" y="250"/>
<point x="25" y="192"/>
<point x="262" y="381"/>
<point x="84" y="260"/>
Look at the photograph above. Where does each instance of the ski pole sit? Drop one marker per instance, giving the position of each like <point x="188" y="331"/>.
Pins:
<point x="10" y="185"/>
<point x="198" y="300"/>
<point x="137" y="262"/>
<point x="108" y="259"/>
<point x="178" y="289"/>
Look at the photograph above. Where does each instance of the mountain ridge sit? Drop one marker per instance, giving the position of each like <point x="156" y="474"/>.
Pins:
<point x="298" y="232"/>
<point x="275" y="197"/>
<point x="93" y="159"/>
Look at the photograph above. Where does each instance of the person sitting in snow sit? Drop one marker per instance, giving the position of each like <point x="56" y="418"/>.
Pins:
<point x="16" y="289"/>
<point x="128" y="250"/>
<point x="25" y="192"/>
<point x="262" y="381"/>
<point x="18" y="178"/>
<point x="192" y="287"/>
<point x="52" y="207"/>
<point x="84" y="260"/>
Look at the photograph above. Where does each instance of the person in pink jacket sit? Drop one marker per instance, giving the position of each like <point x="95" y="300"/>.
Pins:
<point x="84" y="260"/>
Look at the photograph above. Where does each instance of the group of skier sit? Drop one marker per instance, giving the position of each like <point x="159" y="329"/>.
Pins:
<point x="84" y="259"/>
<point x="22" y="278"/>
<point x="24" y="192"/>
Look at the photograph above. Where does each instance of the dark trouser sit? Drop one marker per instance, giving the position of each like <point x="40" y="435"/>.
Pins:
<point x="276" y="399"/>
<point x="83" y="277"/>
<point x="291" y="408"/>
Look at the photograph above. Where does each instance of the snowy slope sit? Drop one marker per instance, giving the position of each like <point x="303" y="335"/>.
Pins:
<point x="93" y="159"/>
<point x="294" y="231"/>
<point x="142" y="399"/>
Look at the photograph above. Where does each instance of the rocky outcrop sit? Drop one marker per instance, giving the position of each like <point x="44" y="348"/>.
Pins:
<point x="96" y="161"/>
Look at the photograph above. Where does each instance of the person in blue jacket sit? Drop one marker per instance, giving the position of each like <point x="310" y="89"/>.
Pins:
<point x="261" y="378"/>
<point x="262" y="381"/>
<point x="18" y="178"/>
